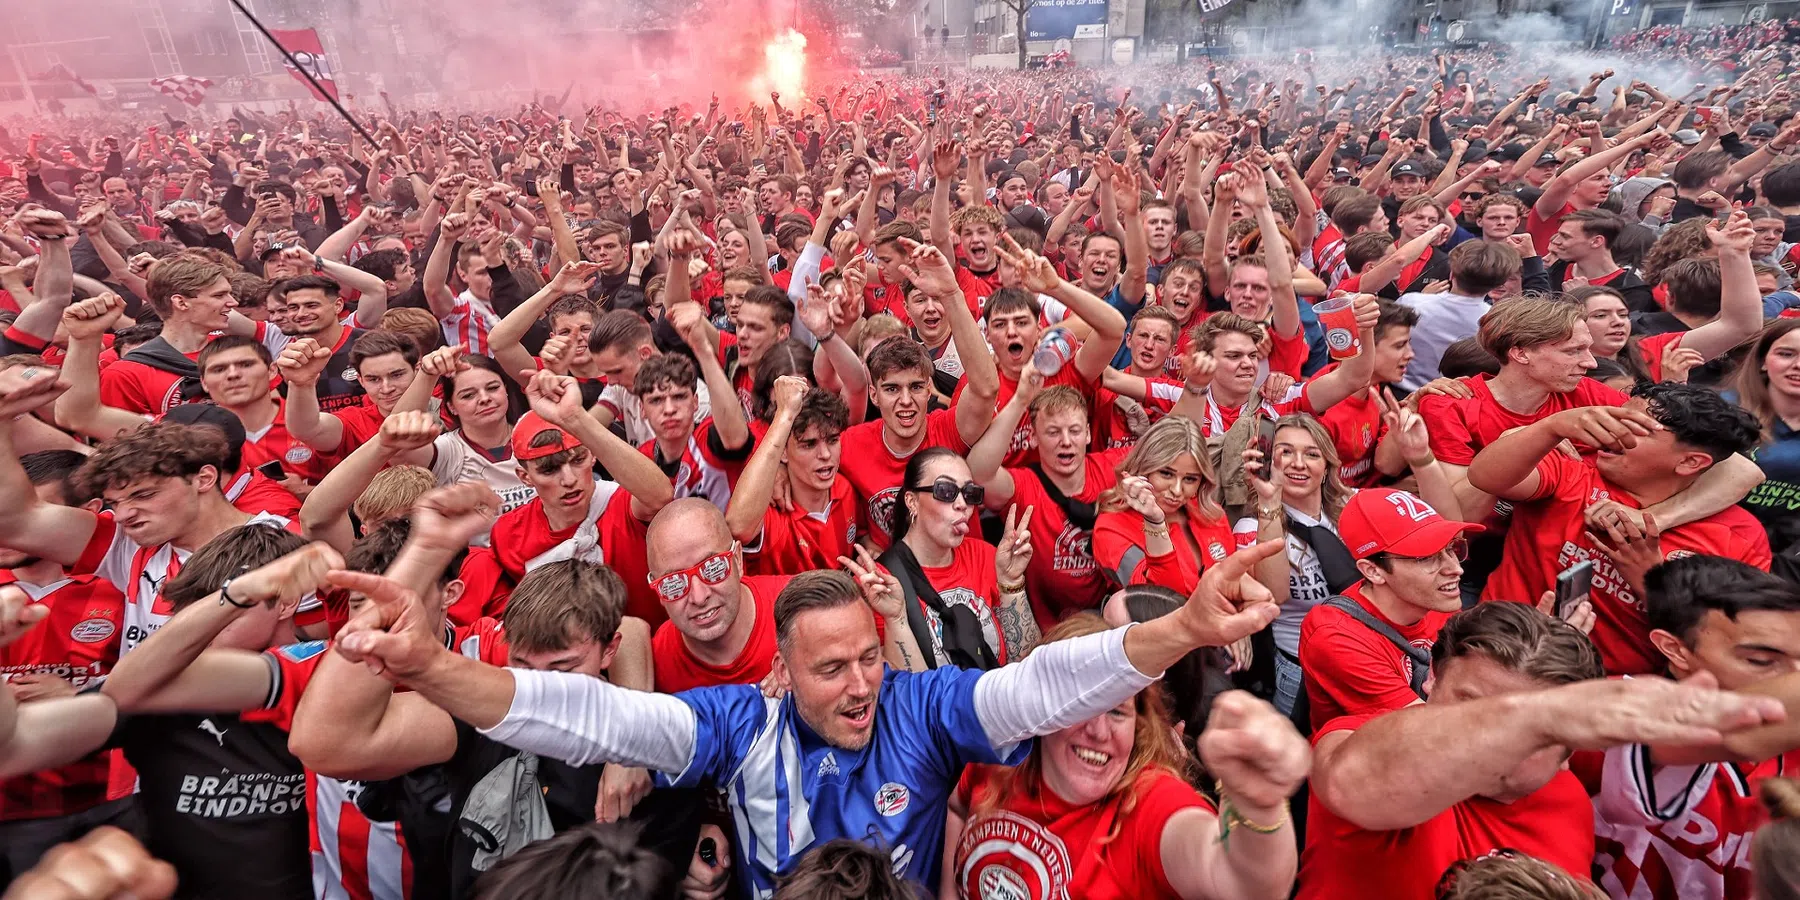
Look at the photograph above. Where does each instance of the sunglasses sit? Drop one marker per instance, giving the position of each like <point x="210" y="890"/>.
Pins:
<point x="713" y="570"/>
<point x="945" y="491"/>
<point x="1473" y="195"/>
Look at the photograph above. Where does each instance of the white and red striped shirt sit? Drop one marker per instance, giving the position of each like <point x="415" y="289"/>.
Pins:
<point x="469" y="322"/>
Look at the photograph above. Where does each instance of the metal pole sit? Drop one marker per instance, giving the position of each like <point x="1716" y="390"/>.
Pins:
<point x="305" y="74"/>
<point x="12" y="53"/>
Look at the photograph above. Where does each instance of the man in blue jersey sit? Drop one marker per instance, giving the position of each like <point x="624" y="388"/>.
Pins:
<point x="851" y="750"/>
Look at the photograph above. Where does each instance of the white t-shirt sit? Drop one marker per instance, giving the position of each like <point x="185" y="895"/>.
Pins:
<point x="454" y="461"/>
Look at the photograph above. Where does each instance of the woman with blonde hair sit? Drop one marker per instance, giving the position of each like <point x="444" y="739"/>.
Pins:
<point x="1100" y="809"/>
<point x="1163" y="523"/>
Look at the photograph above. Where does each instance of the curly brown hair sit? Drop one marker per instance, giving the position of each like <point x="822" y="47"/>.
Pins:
<point x="162" y="450"/>
<point x="1678" y="242"/>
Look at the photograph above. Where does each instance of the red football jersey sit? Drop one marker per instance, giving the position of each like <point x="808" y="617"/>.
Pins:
<point x="1549" y="534"/>
<point x="1040" y="847"/>
<point x="523" y="536"/>
<point x="798" y="541"/>
<point x="1461" y="427"/>
<point x="1061" y="578"/>
<point x="677" y="669"/>
<point x="1119" y="544"/>
<point x="1356" y="427"/>
<point x="876" y="472"/>
<point x="1344" y="862"/>
<point x="135" y="387"/>
<point x="1675" y="832"/>
<point x="79" y="643"/>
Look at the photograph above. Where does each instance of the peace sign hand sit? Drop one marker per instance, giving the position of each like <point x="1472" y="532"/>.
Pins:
<point x="880" y="589"/>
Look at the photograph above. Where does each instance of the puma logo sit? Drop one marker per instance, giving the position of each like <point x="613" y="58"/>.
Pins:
<point x="218" y="733"/>
<point x="155" y="582"/>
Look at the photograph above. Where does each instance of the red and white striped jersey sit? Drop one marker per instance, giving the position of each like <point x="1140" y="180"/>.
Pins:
<point x="1675" y="832"/>
<point x="469" y="322"/>
<point x="141" y="572"/>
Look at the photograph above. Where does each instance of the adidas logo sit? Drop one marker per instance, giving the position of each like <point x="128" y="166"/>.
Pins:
<point x="828" y="765"/>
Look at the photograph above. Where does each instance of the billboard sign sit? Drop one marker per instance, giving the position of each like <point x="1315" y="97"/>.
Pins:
<point x="1050" y="20"/>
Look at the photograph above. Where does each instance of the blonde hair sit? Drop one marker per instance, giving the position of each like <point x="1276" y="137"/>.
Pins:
<point x="1526" y="322"/>
<point x="1333" y="493"/>
<point x="1510" y="876"/>
<point x="391" y="494"/>
<point x="1160" y="446"/>
<point x="1775" y="851"/>
<point x="1154" y="746"/>
<point x="876" y="328"/>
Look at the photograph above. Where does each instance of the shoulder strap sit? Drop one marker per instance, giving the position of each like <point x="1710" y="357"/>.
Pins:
<point x="1335" y="561"/>
<point x="962" y="641"/>
<point x="1080" y="514"/>
<point x="1421" y="659"/>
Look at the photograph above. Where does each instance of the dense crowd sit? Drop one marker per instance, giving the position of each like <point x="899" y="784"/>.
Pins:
<point x="1376" y="478"/>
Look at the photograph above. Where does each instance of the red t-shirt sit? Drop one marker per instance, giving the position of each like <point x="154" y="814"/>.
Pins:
<point x="677" y="669"/>
<point x="1344" y="862"/>
<point x="1356" y="427"/>
<point x="1460" y="428"/>
<point x="1041" y="847"/>
<point x="1061" y="578"/>
<point x="886" y="297"/>
<point x="798" y="541"/>
<point x="1119" y="544"/>
<point x="522" y="535"/>
<point x="1549" y="534"/>
<point x="1352" y="670"/>
<point x="79" y="643"/>
<point x="1541" y="229"/>
<point x="255" y="493"/>
<point x="977" y="288"/>
<point x="968" y="581"/>
<point x="135" y="387"/>
<point x="876" y="472"/>
<point x="1652" y="349"/>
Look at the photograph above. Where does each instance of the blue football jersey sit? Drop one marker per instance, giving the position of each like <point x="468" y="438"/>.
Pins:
<point x="788" y="790"/>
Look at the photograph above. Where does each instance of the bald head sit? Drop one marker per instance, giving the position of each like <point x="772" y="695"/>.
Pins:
<point x="691" y="527"/>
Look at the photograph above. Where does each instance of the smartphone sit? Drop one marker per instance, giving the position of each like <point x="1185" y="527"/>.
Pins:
<point x="1706" y="114"/>
<point x="1265" y="444"/>
<point x="273" y="469"/>
<point x="1572" y="584"/>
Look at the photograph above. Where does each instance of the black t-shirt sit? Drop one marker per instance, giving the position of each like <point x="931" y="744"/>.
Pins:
<point x="338" y="386"/>
<point x="224" y="802"/>
<point x="670" y="818"/>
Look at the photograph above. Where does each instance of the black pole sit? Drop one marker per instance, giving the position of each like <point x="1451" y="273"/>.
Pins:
<point x="307" y="75"/>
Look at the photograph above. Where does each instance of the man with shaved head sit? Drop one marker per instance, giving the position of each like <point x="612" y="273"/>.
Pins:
<point x="721" y="627"/>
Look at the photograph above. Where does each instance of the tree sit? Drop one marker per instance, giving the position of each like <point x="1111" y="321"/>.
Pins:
<point x="1019" y="8"/>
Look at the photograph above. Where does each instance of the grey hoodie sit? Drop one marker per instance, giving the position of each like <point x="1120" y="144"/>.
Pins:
<point x="1633" y="192"/>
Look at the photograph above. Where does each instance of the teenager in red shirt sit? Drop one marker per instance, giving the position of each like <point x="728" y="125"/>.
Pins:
<point x="1543" y="346"/>
<point x="704" y="458"/>
<point x="1410" y="559"/>
<point x="1652" y="448"/>
<point x="386" y="366"/>
<point x="1162" y="524"/>
<point x="1716" y="303"/>
<point x="1367" y="450"/>
<point x="572" y="514"/>
<point x="1399" y="797"/>
<point x="1715" y="616"/>
<point x="1014" y="328"/>
<point x="1583" y="184"/>
<point x="820" y="519"/>
<point x="875" y="453"/>
<point x="1100" y="809"/>
<point x="1061" y="578"/>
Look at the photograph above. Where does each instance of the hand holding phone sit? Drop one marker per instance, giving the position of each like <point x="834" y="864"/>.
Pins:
<point x="1572" y="586"/>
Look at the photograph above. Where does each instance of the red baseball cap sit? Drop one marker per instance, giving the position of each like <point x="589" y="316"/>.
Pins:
<point x="1383" y="520"/>
<point x="528" y="428"/>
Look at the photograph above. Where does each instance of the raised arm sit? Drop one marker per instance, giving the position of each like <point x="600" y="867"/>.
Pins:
<point x="81" y="409"/>
<point x="53" y="286"/>
<point x="1740" y="302"/>
<point x="1461" y="749"/>
<point x="1556" y="191"/>
<point x="437" y="267"/>
<point x="930" y="270"/>
<point x="27" y="524"/>
<point x="557" y="398"/>
<point x="325" y="516"/>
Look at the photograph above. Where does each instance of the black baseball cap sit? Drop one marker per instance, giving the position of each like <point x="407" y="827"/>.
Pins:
<point x="1408" y="168"/>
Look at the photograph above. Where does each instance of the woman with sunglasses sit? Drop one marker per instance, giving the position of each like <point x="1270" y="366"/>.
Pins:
<point x="1105" y="812"/>
<point x="1163" y="523"/>
<point x="969" y="607"/>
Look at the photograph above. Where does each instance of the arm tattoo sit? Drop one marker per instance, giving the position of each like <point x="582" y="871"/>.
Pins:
<point x="1018" y="626"/>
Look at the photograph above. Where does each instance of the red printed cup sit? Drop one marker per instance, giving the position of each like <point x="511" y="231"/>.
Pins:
<point x="1338" y="317"/>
